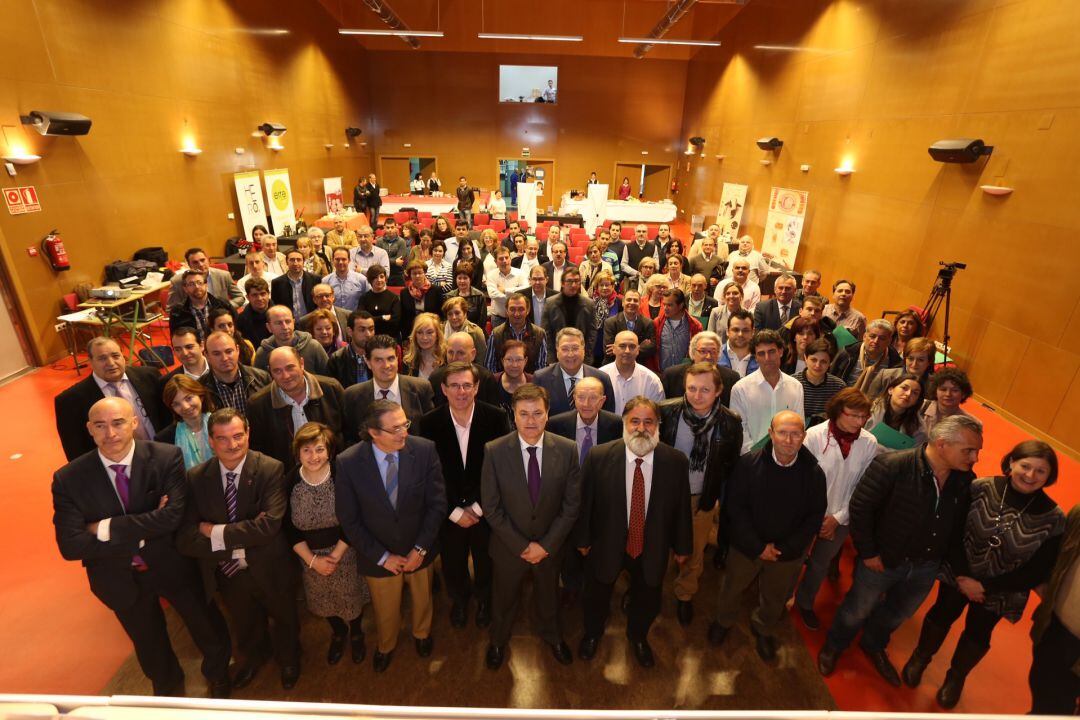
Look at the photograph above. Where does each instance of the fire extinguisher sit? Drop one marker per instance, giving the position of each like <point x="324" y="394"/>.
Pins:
<point x="53" y="247"/>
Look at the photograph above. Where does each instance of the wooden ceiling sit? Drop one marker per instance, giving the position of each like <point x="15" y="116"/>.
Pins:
<point x="601" y="22"/>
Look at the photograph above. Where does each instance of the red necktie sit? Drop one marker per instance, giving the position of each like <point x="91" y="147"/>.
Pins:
<point x="635" y="535"/>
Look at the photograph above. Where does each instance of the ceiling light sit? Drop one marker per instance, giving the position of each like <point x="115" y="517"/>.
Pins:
<point x="263" y="31"/>
<point x="514" y="36"/>
<point x="791" y="48"/>
<point x="395" y="33"/>
<point x="666" y="41"/>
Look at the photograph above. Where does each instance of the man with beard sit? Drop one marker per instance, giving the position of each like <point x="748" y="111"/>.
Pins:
<point x="620" y="488"/>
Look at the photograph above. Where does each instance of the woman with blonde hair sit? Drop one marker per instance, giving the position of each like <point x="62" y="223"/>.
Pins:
<point x="646" y="269"/>
<point x="652" y="300"/>
<point x="608" y="304"/>
<point x="426" y="347"/>
<point x="489" y="243"/>
<point x="312" y="262"/>
<point x="324" y="329"/>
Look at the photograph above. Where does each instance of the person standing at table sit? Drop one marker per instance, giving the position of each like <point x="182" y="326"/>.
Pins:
<point x="372" y="200"/>
<point x="625" y="189"/>
<point x="434" y="184"/>
<point x="124" y="539"/>
<point x="416" y="185"/>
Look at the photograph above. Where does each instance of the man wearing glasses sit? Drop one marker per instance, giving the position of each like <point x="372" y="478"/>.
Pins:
<point x="391" y="501"/>
<point x="460" y="428"/>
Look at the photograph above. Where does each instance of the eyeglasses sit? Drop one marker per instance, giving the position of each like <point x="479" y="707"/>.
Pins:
<point x="458" y="387"/>
<point x="862" y="417"/>
<point x="397" y="429"/>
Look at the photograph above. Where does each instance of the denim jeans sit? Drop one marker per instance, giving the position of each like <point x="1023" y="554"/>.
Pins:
<point x="880" y="602"/>
<point x="817" y="567"/>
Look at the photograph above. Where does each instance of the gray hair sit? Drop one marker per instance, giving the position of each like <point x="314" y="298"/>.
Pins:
<point x="705" y="335"/>
<point x="882" y="324"/>
<point x="951" y="427"/>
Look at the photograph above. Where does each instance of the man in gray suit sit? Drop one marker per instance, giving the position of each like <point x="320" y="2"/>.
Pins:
<point x="414" y="395"/>
<point x="530" y="491"/>
<point x="219" y="283"/>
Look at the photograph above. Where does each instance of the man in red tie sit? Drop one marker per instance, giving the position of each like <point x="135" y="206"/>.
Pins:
<point x="625" y="481"/>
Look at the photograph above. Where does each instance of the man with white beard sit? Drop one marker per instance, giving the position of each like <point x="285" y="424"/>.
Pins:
<point x="620" y="485"/>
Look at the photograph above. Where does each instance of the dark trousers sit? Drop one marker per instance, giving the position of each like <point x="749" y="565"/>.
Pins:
<point x="508" y="577"/>
<point x="644" y="602"/>
<point x="144" y="622"/>
<point x="776" y="580"/>
<point x="252" y="608"/>
<point x="880" y="602"/>
<point x="1055" y="688"/>
<point x="572" y="571"/>
<point x="950" y="603"/>
<point x="458" y="544"/>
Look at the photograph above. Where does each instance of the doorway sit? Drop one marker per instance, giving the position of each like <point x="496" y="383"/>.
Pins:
<point x="395" y="171"/>
<point x="537" y="170"/>
<point x="507" y="171"/>
<point x="13" y="349"/>
<point x="647" y="182"/>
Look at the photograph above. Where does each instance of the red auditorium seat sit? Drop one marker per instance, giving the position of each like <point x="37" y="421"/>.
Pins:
<point x="402" y="217"/>
<point x="498" y="225"/>
<point x="481" y="219"/>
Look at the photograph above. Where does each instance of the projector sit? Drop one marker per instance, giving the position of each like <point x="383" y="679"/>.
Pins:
<point x="48" y="122"/>
<point x="110" y="292"/>
<point x="960" y="150"/>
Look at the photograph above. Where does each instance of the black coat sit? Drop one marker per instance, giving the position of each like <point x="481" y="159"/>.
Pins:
<point x="433" y="300"/>
<point x="415" y="401"/>
<point x="272" y="424"/>
<point x="767" y="314"/>
<point x="463" y="481"/>
<point x="72" y="408"/>
<point x="488" y="390"/>
<point x="184" y="316"/>
<point x="674" y="381"/>
<point x="551" y="379"/>
<point x="252" y="325"/>
<point x="609" y="426"/>
<point x="643" y="328"/>
<point x="371" y="524"/>
<point x="555" y="319"/>
<point x="281" y="291"/>
<point x="723" y="450"/>
<point x="82" y="494"/>
<point x="602" y="524"/>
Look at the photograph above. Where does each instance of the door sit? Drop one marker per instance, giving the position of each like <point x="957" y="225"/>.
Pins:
<point x="12" y="351"/>
<point x="506" y="171"/>
<point x="657" y="183"/>
<point x="394" y="174"/>
<point x="626" y="170"/>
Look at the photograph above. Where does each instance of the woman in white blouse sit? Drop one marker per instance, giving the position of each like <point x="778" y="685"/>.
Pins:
<point x="497" y="206"/>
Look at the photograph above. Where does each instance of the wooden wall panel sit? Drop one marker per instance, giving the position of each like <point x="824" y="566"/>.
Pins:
<point x="876" y="82"/>
<point x="149" y="75"/>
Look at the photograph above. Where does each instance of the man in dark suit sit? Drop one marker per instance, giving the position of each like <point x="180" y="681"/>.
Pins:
<point x="323" y="296"/>
<point x="414" y="395"/>
<point x="372" y="199"/>
<point x="232" y="526"/>
<point x="110" y="376"/>
<point x="115" y="509"/>
<point x="539" y="294"/>
<point x="588" y="426"/>
<point x="775" y="313"/>
<point x="555" y="267"/>
<point x="460" y="428"/>
<point x="517" y="327"/>
<point x="569" y="309"/>
<point x="704" y="347"/>
<point x="461" y="348"/>
<point x="293" y="398"/>
<point x="630" y="319"/>
<point x="632" y="516"/>
<point x="559" y="379"/>
<point x="194" y="311"/>
<point x="295" y="288"/>
<point x="530" y="491"/>
<point x="229" y="382"/>
<point x="699" y="303"/>
<point x="391" y="502"/>
<point x="188" y="349"/>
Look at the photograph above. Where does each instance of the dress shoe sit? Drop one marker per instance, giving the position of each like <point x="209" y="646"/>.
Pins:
<point x="685" y="612"/>
<point x="880" y="660"/>
<point x="220" y="689"/>
<point x="359" y="650"/>
<point x="459" y="615"/>
<point x="336" y="650"/>
<point x="246" y="674"/>
<point x="424" y="646"/>
<point x="826" y="659"/>
<point x="587" y="649"/>
<point x="949" y="693"/>
<point x="717" y="633"/>
<point x="381" y="661"/>
<point x="561" y="652"/>
<point x="483" y="614"/>
<point x="914" y="668"/>
<point x="289" y="675"/>
<point x="495" y="656"/>
<point x="765" y="645"/>
<point x="809" y="618"/>
<point x="642" y="653"/>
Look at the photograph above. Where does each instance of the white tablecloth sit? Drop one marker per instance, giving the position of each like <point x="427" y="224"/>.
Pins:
<point x="628" y="211"/>
<point x="435" y="206"/>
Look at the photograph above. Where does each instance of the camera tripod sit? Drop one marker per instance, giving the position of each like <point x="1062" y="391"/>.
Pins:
<point x="940" y="293"/>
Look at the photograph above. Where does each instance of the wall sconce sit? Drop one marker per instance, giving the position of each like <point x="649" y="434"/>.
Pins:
<point x="328" y="146"/>
<point x="189" y="147"/>
<point x="721" y="157"/>
<point x="21" y="158"/>
<point x="847" y="166"/>
<point x="765" y="161"/>
<point x="996" y="190"/>
<point x="804" y="168"/>
<point x="644" y="152"/>
<point x="276" y="147"/>
<point x="18" y="151"/>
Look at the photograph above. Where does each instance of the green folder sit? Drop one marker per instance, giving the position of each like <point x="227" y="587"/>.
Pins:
<point x="843" y="337"/>
<point x="760" y="443"/>
<point x="892" y="439"/>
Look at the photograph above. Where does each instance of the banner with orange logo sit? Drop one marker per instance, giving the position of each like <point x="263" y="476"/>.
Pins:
<point x="279" y="199"/>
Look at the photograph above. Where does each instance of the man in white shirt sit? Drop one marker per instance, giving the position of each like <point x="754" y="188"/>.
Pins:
<point x="759" y="266"/>
<point x="556" y="265"/>
<point x="502" y="281"/>
<point x="740" y="269"/>
<point x="531" y="258"/>
<point x="628" y="378"/>
<point x="367" y="253"/>
<point x="736" y="353"/>
<point x="759" y="396"/>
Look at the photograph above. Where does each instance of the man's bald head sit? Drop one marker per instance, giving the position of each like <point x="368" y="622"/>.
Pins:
<point x="787" y="417"/>
<point x="111" y="423"/>
<point x="787" y="431"/>
<point x="460" y="347"/>
<point x="589" y="398"/>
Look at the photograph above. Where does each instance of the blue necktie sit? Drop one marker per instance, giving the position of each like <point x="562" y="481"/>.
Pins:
<point x="230" y="567"/>
<point x="391" y="479"/>
<point x="586" y="445"/>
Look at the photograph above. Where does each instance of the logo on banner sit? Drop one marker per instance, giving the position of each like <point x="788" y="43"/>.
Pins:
<point x="279" y="194"/>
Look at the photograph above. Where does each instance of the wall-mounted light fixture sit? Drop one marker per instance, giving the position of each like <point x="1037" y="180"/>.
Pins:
<point x="189" y="148"/>
<point x="996" y="190"/>
<point x="272" y="129"/>
<point x="847" y="166"/>
<point x="669" y="41"/>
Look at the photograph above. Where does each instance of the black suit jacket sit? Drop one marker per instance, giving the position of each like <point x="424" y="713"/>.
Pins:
<point x="463" y="481"/>
<point x="271" y="419"/>
<point x="433" y="301"/>
<point x="549" y="267"/>
<point x="555" y="319"/>
<point x="551" y="379"/>
<point x="82" y="494"/>
<point x="372" y="199"/>
<point x="183" y="316"/>
<point x="767" y="314"/>
<point x="602" y="524"/>
<point x="488" y="390"/>
<point x="609" y="426"/>
<point x="371" y="524"/>
<point x="281" y="290"/>
<point x="674" y="381"/>
<point x="416" y="399"/>
<point x="261" y="505"/>
<point x="643" y="328"/>
<point x="72" y="408"/>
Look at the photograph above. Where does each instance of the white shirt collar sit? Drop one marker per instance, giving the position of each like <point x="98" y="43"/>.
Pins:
<point x="577" y="376"/>
<point x="125" y="461"/>
<point x="239" y="470"/>
<point x="631" y="458"/>
<point x="394" y="388"/>
<point x="581" y="423"/>
<point x="468" y="422"/>
<point x="525" y="446"/>
<point x="777" y="460"/>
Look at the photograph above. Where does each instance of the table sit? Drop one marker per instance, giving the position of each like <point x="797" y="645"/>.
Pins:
<point x="425" y="203"/>
<point x="352" y="222"/>
<point x="631" y="211"/>
<point x="108" y="314"/>
<point x="562" y="219"/>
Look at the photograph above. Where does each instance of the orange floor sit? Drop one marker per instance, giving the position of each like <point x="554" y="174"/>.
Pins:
<point x="67" y="642"/>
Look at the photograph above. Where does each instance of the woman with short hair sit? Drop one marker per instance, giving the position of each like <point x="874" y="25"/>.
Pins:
<point x="949" y="389"/>
<point x="819" y="386"/>
<point x="908" y="325"/>
<point x="456" y="312"/>
<point x="439" y="271"/>
<point x="324" y="329"/>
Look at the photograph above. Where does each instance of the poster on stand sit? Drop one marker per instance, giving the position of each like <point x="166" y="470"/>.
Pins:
<point x="784" y="224"/>
<point x="526" y="203"/>
<point x="335" y="200"/>
<point x="279" y="199"/>
<point x="597" y="201"/>
<point x="729" y="216"/>
<point x="249" y="198"/>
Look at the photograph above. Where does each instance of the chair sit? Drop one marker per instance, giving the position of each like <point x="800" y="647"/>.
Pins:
<point x="481" y="219"/>
<point x="627" y="233"/>
<point x="524" y="225"/>
<point x="220" y="266"/>
<point x="498" y="225"/>
<point x="424" y="214"/>
<point x="402" y="217"/>
<point x="481" y="228"/>
<point x="576" y="254"/>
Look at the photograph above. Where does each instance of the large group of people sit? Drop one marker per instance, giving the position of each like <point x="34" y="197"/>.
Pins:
<point x="435" y="407"/>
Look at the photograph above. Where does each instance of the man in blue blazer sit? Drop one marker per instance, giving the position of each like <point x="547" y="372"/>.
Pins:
<point x="560" y="379"/>
<point x="391" y="501"/>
